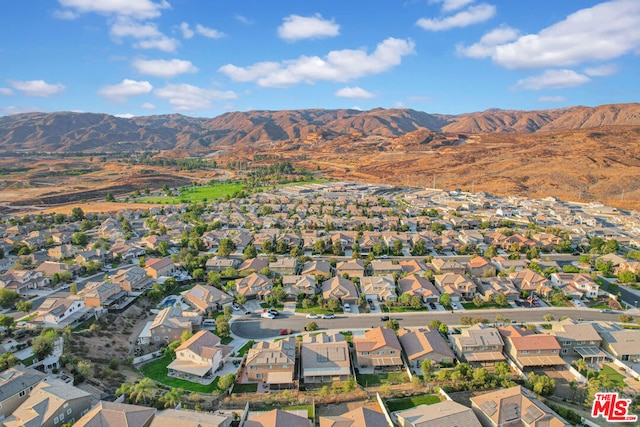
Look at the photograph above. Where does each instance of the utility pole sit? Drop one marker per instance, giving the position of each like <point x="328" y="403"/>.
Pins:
<point x="434" y="181"/>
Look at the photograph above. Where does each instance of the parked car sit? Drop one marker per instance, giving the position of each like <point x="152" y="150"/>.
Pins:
<point x="328" y="316"/>
<point x="285" y="331"/>
<point x="432" y="306"/>
<point x="384" y="318"/>
<point x="273" y="311"/>
<point x="247" y="312"/>
<point x="347" y="307"/>
<point x="312" y="316"/>
<point x="267" y="315"/>
<point x="235" y="307"/>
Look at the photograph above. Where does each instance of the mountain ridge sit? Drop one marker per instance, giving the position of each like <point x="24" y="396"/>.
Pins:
<point x="94" y="132"/>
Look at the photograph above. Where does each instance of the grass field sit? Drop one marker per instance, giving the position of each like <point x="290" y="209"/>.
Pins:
<point x="411" y="402"/>
<point x="196" y="194"/>
<point x="157" y="370"/>
<point x="243" y="350"/>
<point x="369" y="380"/>
<point x="613" y="375"/>
<point x="245" y="388"/>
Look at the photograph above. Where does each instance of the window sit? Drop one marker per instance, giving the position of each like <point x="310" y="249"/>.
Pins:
<point x="365" y="353"/>
<point x="56" y="420"/>
<point x="23" y="392"/>
<point x="61" y="416"/>
<point x="285" y="366"/>
<point x="524" y="352"/>
<point x="564" y="351"/>
<point x="65" y="405"/>
<point x="258" y="375"/>
<point x="69" y="411"/>
<point x="392" y="352"/>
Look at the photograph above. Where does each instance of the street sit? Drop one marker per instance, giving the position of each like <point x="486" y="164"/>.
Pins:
<point x="254" y="327"/>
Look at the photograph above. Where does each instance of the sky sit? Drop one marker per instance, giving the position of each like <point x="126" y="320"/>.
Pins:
<point x="207" y="57"/>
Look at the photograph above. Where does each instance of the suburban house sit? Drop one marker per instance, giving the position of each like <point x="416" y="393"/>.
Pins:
<point x="578" y="340"/>
<point x="198" y="358"/>
<point x="442" y="266"/>
<point x="51" y="403"/>
<point x="168" y="326"/>
<point x="60" y="312"/>
<point x="158" y="267"/>
<point x="277" y="418"/>
<point x="513" y="407"/>
<point x="504" y="264"/>
<point x="578" y="285"/>
<point x="318" y="268"/>
<point x="62" y="251"/>
<point x="382" y="288"/>
<point x="379" y="349"/>
<point x="459" y="286"/>
<point x="385" y="266"/>
<point x="530" y="350"/>
<point x="272" y="363"/>
<point x="23" y="280"/>
<point x="15" y="385"/>
<point x="447" y="413"/>
<point x="153" y="241"/>
<point x="102" y="294"/>
<point x="284" y="266"/>
<point x="299" y="285"/>
<point x="424" y="344"/>
<point x="415" y="285"/>
<point x="253" y="264"/>
<point x="126" y="252"/>
<point x="355" y="418"/>
<point x="481" y="267"/>
<point x="623" y="344"/>
<point x="206" y="298"/>
<point x="341" y="289"/>
<point x="531" y="282"/>
<point x="254" y="286"/>
<point x="111" y="414"/>
<point x="479" y="345"/>
<point x="413" y="266"/>
<point x="353" y="268"/>
<point x="492" y="286"/>
<point x="324" y="358"/>
<point x="133" y="279"/>
<point x="218" y="264"/>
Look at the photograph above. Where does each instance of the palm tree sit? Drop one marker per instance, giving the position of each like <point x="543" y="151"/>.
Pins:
<point x="143" y="390"/>
<point x="124" y="389"/>
<point x="171" y="398"/>
<point x="582" y="365"/>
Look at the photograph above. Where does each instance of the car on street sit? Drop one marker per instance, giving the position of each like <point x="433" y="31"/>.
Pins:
<point x="605" y="310"/>
<point x="328" y="316"/>
<point x="312" y="316"/>
<point x="267" y="315"/>
<point x="273" y="311"/>
<point x="235" y="307"/>
<point x="384" y="318"/>
<point x="285" y="331"/>
<point x="247" y="312"/>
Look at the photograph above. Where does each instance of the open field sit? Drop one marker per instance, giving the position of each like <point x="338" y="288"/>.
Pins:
<point x="196" y="194"/>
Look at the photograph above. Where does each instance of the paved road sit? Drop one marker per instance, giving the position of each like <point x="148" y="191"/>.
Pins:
<point x="255" y="327"/>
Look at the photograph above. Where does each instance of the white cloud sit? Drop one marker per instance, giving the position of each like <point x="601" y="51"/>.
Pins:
<point x="244" y="20"/>
<point x="147" y="34"/>
<point x="209" y="32"/>
<point x="187" y="32"/>
<point x="488" y="43"/>
<point x="470" y="16"/>
<point x="337" y="65"/>
<point x="552" y="79"/>
<point x="148" y="106"/>
<point x="297" y="27"/>
<point x="140" y="9"/>
<point x="12" y="109"/>
<point x="185" y="97"/>
<point x="119" y="92"/>
<point x="599" y="33"/>
<point x="552" y="99"/>
<point x="164" y="68"/>
<point x="65" y="15"/>
<point x="124" y="116"/>
<point x="354" y="92"/>
<point x="38" y="88"/>
<point x="451" y="5"/>
<point x="601" y="71"/>
<point x="5" y="91"/>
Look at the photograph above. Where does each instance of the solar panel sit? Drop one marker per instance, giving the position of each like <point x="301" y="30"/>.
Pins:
<point x="489" y="407"/>
<point x="511" y="412"/>
<point x="532" y="413"/>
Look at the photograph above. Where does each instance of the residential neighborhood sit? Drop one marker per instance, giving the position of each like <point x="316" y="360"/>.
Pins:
<point x="321" y="292"/>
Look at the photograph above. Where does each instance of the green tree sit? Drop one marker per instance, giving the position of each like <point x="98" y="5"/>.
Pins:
<point x="333" y="304"/>
<point x="170" y="351"/>
<point x="396" y="247"/>
<point x="80" y="239"/>
<point x="8" y="298"/>
<point x="77" y="214"/>
<point x="225" y="382"/>
<point x="445" y="300"/>
<point x="426" y="367"/>
<point x="478" y="301"/>
<point x="222" y="327"/>
<point x="171" y="398"/>
<point x="319" y="246"/>
<point x="626" y="276"/>
<point x="502" y="369"/>
<point x="250" y="252"/>
<point x="8" y="360"/>
<point x="42" y="346"/>
<point x="24" y="306"/>
<point x="84" y="368"/>
<point x="73" y="289"/>
<point x="501" y="300"/>
<point x="491" y="252"/>
<point x="267" y="246"/>
<point x="163" y="248"/>
<point x="143" y="390"/>
<point x="109" y="198"/>
<point x="419" y="248"/>
<point x="541" y="384"/>
<point x="336" y="248"/>
<point x="415" y="302"/>
<point x="392" y="324"/>
<point x="7" y="321"/>
<point x="311" y="326"/>
<point x="443" y="329"/>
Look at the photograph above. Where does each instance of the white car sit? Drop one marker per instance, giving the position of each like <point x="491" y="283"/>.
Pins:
<point x="312" y="316"/>
<point x="347" y="307"/>
<point x="267" y="315"/>
<point x="235" y="307"/>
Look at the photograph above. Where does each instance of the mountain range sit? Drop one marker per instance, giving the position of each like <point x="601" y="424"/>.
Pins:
<point x="90" y="132"/>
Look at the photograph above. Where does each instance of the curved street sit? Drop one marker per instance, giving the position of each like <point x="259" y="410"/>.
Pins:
<point x="255" y="327"/>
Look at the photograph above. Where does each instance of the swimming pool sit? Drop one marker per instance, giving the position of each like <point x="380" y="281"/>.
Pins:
<point x="169" y="302"/>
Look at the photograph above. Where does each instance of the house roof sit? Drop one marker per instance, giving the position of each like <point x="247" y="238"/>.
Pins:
<point x="17" y="379"/>
<point x="422" y="342"/>
<point x="278" y="418"/>
<point x="626" y="341"/>
<point x="443" y="414"/>
<point x="325" y="354"/>
<point x="377" y="338"/>
<point x="157" y="264"/>
<point x="110" y="414"/>
<point x="522" y="339"/>
<point x="515" y="404"/>
<point x="202" y="343"/>
<point x="177" y="418"/>
<point x="569" y="329"/>
<point x="356" y="418"/>
<point x="273" y="353"/>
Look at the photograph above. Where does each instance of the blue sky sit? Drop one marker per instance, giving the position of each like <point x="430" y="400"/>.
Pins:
<point x="207" y="57"/>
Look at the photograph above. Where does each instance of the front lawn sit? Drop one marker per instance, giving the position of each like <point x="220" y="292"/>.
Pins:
<point x="600" y="305"/>
<point x="245" y="388"/>
<point x="400" y="308"/>
<point x="315" y="310"/>
<point x="613" y="375"/>
<point x="157" y="371"/>
<point x="486" y="305"/>
<point x="245" y="348"/>
<point x="412" y="402"/>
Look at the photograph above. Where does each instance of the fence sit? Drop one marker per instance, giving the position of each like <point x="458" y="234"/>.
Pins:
<point x="147" y="357"/>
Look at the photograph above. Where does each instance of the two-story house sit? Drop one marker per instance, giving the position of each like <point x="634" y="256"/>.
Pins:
<point x="459" y="286"/>
<point x="382" y="288"/>
<point x="424" y="344"/>
<point x="531" y="351"/>
<point x="198" y="358"/>
<point x="415" y="285"/>
<point x="254" y="286"/>
<point x="272" y="363"/>
<point x="379" y="349"/>
<point x="325" y="358"/>
<point x="60" y="312"/>
<point x="479" y="345"/>
<point x="206" y="298"/>
<point x="344" y="290"/>
<point x="15" y="385"/>
<point x="578" y="340"/>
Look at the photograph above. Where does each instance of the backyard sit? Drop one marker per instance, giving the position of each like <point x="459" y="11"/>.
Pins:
<point x="372" y="380"/>
<point x="613" y="375"/>
<point x="157" y="371"/>
<point x="411" y="402"/>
